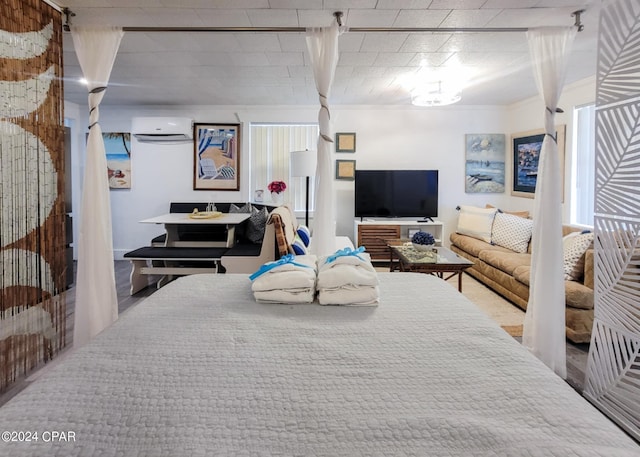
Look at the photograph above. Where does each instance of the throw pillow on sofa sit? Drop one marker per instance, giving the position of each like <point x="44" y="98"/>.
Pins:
<point x="574" y="246"/>
<point x="241" y="230"/>
<point x="304" y="233"/>
<point x="476" y="222"/>
<point x="298" y="247"/>
<point x="511" y="232"/>
<point x="256" y="225"/>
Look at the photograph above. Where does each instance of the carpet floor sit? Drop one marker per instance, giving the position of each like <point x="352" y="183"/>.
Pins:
<point x="505" y="313"/>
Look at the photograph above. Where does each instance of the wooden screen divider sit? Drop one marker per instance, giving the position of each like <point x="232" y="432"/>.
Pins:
<point x="32" y="188"/>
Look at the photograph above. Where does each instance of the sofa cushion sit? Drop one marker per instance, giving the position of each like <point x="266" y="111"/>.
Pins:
<point x="524" y="214"/>
<point x="476" y="222"/>
<point x="472" y="245"/>
<point x="574" y="246"/>
<point x="578" y="295"/>
<point x="522" y="274"/>
<point x="505" y="261"/>
<point x="512" y="232"/>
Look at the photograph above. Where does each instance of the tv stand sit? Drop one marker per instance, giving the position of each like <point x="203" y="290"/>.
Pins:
<point x="426" y="219"/>
<point x="372" y="234"/>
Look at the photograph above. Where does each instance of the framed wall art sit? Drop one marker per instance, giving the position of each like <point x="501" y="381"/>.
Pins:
<point x="346" y="170"/>
<point x="216" y="157"/>
<point x="526" y="155"/>
<point x="485" y="155"/>
<point x="117" y="146"/>
<point x="346" y="142"/>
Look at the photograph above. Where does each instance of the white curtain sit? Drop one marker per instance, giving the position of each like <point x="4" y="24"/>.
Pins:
<point x="322" y="44"/>
<point x="96" y="299"/>
<point x="544" y="324"/>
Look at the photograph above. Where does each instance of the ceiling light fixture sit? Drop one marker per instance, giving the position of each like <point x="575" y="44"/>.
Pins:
<point x="435" y="95"/>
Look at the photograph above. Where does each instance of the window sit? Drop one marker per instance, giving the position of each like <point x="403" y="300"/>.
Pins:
<point x="583" y="166"/>
<point x="270" y="148"/>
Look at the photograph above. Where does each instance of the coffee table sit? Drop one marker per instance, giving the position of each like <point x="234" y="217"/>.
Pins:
<point x="436" y="262"/>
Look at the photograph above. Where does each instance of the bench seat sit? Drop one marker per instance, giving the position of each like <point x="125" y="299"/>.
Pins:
<point x="176" y="261"/>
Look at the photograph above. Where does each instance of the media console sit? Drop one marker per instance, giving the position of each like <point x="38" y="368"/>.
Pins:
<point x="374" y="233"/>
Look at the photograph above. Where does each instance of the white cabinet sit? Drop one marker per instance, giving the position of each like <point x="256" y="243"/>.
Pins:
<point x="373" y="234"/>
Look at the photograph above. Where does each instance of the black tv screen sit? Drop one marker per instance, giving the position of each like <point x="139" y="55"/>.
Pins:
<point x="396" y="193"/>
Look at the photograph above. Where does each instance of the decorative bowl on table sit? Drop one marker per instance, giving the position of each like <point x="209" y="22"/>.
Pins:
<point x="423" y="247"/>
<point x="423" y="241"/>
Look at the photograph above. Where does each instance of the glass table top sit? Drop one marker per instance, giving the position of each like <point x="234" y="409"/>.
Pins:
<point x="439" y="255"/>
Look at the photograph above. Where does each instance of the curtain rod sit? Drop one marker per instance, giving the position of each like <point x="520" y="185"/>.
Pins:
<point x="304" y="29"/>
<point x="338" y="15"/>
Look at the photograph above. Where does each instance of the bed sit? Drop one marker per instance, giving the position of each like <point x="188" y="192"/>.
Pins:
<point x="199" y="369"/>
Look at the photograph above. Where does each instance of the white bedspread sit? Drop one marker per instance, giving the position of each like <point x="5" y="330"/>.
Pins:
<point x="201" y="369"/>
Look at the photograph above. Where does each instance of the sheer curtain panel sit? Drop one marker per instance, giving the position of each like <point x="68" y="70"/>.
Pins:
<point x="322" y="44"/>
<point x="96" y="299"/>
<point x="544" y="324"/>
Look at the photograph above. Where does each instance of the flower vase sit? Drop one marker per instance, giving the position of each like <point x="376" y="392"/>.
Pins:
<point x="277" y="198"/>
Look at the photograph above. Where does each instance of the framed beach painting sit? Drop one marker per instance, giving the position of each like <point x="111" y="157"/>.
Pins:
<point x="485" y="162"/>
<point x="216" y="157"/>
<point x="117" y="146"/>
<point x="526" y="155"/>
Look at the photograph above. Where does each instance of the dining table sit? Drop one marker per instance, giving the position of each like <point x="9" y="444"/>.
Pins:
<point x="172" y="221"/>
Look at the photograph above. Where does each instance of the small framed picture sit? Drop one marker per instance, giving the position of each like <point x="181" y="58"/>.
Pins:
<point x="346" y="142"/>
<point x="346" y="170"/>
<point x="259" y="196"/>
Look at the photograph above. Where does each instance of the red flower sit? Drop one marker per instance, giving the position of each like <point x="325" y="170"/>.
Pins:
<point x="277" y="186"/>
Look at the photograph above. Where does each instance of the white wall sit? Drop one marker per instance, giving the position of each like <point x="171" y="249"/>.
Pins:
<point x="387" y="137"/>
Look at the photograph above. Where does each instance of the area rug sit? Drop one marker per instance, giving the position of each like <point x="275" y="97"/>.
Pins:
<point x="505" y="313"/>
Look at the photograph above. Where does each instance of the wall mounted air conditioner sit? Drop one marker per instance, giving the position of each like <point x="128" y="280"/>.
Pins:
<point x="162" y="129"/>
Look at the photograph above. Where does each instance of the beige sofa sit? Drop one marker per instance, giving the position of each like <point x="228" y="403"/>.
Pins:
<point x="507" y="272"/>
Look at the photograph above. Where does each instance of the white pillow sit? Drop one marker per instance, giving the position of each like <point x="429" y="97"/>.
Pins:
<point x="511" y="232"/>
<point x="574" y="245"/>
<point x="476" y="222"/>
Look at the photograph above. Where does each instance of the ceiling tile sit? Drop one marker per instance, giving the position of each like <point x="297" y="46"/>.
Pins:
<point x="499" y="4"/>
<point x="249" y="59"/>
<point x="285" y="58"/>
<point x="357" y="58"/>
<point x="296" y="4"/>
<point x="292" y="42"/>
<point x="273" y="18"/>
<point x="371" y="18"/>
<point x="394" y="59"/>
<point x="315" y="18"/>
<point x="349" y="4"/>
<point x="469" y="18"/>
<point x="424" y="42"/>
<point x="211" y="17"/>
<point x="456" y="4"/>
<point x="426" y="19"/>
<point x="403" y="4"/>
<point x="350" y="42"/>
<point x="383" y="42"/>
<point x="487" y="42"/>
<point x="432" y="59"/>
<point x="265" y="42"/>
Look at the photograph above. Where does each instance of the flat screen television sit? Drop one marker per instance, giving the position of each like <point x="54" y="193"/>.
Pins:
<point x="396" y="193"/>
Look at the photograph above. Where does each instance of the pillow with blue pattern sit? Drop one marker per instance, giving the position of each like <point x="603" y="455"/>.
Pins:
<point x="304" y="234"/>
<point x="298" y="246"/>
